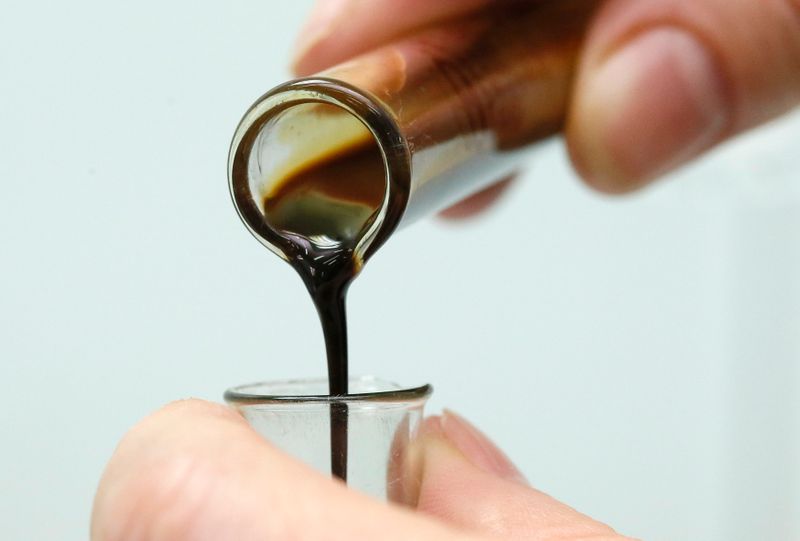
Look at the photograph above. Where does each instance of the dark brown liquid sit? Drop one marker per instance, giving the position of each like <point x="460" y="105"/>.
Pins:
<point x="322" y="211"/>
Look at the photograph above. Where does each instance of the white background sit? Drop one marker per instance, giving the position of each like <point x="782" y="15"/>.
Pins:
<point x="637" y="357"/>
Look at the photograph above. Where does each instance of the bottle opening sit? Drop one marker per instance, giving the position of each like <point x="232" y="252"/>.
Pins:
<point x="315" y="171"/>
<point x="365" y="389"/>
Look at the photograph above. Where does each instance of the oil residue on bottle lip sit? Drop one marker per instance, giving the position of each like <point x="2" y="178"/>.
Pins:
<point x="287" y="121"/>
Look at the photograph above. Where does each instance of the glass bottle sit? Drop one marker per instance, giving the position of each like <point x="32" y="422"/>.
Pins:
<point x="450" y="110"/>
<point x="383" y="422"/>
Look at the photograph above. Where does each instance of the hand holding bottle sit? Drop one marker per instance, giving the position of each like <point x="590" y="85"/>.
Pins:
<point x="660" y="82"/>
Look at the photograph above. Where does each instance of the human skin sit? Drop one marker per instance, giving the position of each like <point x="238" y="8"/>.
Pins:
<point x="195" y="471"/>
<point x="660" y="82"/>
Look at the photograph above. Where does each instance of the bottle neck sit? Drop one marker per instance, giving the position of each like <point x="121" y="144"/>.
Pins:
<point x="320" y="158"/>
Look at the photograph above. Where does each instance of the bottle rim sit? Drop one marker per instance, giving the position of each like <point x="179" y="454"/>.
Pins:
<point x="364" y="106"/>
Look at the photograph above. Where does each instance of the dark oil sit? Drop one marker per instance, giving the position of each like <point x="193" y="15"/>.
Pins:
<point x="321" y="212"/>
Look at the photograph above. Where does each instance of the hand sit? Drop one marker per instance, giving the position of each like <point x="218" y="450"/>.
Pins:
<point x="659" y="83"/>
<point x="196" y="471"/>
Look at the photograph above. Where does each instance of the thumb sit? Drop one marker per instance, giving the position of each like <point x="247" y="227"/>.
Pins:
<point x="467" y="481"/>
<point x="662" y="81"/>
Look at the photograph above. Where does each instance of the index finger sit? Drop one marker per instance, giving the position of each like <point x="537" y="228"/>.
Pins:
<point x="340" y="29"/>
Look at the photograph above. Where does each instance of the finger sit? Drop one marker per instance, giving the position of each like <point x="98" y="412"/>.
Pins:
<point x="196" y="471"/>
<point x="339" y="29"/>
<point x="662" y="81"/>
<point x="477" y="203"/>
<point x="470" y="483"/>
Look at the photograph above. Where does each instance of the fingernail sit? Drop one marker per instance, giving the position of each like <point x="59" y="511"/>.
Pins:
<point x="320" y="25"/>
<point x="477" y="447"/>
<point x="655" y="103"/>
